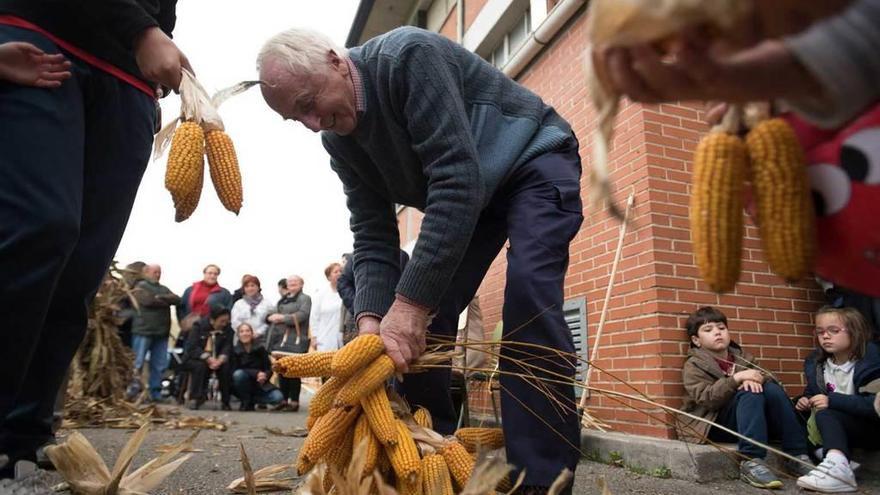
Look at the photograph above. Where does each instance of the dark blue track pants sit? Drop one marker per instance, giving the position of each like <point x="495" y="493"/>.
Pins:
<point x="539" y="210"/>
<point x="71" y="160"/>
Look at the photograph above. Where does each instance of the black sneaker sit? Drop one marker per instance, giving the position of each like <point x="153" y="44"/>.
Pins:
<point x="796" y="468"/>
<point x="756" y="473"/>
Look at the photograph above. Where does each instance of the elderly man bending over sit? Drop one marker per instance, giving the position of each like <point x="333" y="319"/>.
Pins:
<point x="413" y="118"/>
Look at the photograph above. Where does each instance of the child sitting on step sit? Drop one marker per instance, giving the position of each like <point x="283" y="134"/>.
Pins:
<point x="842" y="377"/>
<point x="725" y="385"/>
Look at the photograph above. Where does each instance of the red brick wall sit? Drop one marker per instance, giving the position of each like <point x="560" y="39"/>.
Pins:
<point x="657" y="284"/>
<point x="471" y="9"/>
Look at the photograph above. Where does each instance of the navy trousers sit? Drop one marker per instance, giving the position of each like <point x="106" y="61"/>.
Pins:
<point x="71" y="160"/>
<point x="758" y="416"/>
<point x="842" y="430"/>
<point x="539" y="210"/>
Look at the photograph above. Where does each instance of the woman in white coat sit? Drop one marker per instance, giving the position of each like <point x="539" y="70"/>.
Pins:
<point x="326" y="318"/>
<point x="252" y="309"/>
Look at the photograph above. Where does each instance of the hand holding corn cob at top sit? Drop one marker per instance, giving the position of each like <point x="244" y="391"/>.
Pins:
<point x="200" y="132"/>
<point x="353" y="408"/>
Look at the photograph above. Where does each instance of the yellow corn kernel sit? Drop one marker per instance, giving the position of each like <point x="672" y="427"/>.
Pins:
<point x="223" y="164"/>
<point x="422" y="417"/>
<point x="310" y="422"/>
<point x="459" y="462"/>
<point x="326" y="434"/>
<point x="356" y="355"/>
<point x="377" y="409"/>
<point x="404" y="455"/>
<point x="716" y="208"/>
<point x="324" y="397"/>
<point x="786" y="218"/>
<point x="185" y="169"/>
<point x="371" y="378"/>
<point x="304" y="365"/>
<point x="476" y="438"/>
<point x="435" y="476"/>
<point x="337" y="459"/>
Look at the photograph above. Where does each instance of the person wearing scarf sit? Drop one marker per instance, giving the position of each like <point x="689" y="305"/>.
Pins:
<point x="289" y="333"/>
<point x="201" y="296"/>
<point x="252" y="309"/>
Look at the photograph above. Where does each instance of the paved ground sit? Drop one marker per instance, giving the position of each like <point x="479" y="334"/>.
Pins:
<point x="209" y="472"/>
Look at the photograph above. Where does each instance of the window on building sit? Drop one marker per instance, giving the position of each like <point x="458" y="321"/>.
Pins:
<point x="575" y="313"/>
<point x="512" y="40"/>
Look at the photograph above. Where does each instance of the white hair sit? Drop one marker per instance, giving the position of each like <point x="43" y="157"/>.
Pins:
<point x="302" y="51"/>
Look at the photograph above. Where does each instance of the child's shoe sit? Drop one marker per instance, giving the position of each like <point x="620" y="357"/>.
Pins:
<point x="831" y="476"/>
<point x="756" y="473"/>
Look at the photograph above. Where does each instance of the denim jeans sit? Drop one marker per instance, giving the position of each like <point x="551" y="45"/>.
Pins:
<point x="158" y="349"/>
<point x="758" y="416"/>
<point x="246" y="388"/>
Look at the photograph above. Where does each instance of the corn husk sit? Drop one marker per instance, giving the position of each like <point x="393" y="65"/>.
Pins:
<point x="86" y="473"/>
<point x="196" y="105"/>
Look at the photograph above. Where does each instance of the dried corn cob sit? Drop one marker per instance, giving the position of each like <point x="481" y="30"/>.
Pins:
<point x="422" y="417"/>
<point x="459" y="462"/>
<point x="187" y="205"/>
<point x="475" y="438"/>
<point x="310" y="422"/>
<point x="365" y="382"/>
<point x="356" y="355"/>
<point x="326" y="434"/>
<point x="435" y="476"/>
<point x="324" y="397"/>
<point x="304" y="365"/>
<point x="377" y="409"/>
<point x="363" y="433"/>
<point x="186" y="167"/>
<point x="404" y="455"/>
<point x="337" y="459"/>
<point x="782" y="194"/>
<point x="223" y="164"/>
<point x="716" y="208"/>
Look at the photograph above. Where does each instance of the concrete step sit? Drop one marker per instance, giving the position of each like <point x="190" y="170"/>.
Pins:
<point x="687" y="461"/>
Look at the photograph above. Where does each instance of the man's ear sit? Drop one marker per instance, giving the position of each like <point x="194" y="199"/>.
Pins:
<point x="337" y="62"/>
<point x="695" y="340"/>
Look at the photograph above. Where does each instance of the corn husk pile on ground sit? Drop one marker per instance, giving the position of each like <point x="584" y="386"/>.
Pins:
<point x="200" y="132"/>
<point x="770" y="156"/>
<point x="85" y="473"/>
<point x="354" y="412"/>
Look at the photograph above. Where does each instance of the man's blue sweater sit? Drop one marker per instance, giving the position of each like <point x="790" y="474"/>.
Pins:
<point x="441" y="131"/>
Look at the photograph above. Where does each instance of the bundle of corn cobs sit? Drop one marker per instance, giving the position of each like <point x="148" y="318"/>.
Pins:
<point x="200" y="132"/>
<point x="354" y="409"/>
<point x="770" y="157"/>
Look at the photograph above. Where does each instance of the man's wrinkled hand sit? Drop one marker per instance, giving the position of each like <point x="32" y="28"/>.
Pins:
<point x="403" y="332"/>
<point x="368" y="325"/>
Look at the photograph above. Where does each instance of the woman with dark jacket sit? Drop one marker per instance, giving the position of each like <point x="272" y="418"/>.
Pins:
<point x="201" y="296"/>
<point x="289" y="333"/>
<point x="252" y="371"/>
<point x="209" y="349"/>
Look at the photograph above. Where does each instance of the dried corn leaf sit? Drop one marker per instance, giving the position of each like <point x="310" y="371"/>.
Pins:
<point x="267" y="479"/>
<point x="86" y="473"/>
<point x="297" y="432"/>
<point x="198" y="422"/>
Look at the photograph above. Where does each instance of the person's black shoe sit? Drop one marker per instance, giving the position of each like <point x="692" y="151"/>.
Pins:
<point x="262" y="406"/>
<point x="226" y="407"/>
<point x="7" y="467"/>
<point x="43" y="461"/>
<point x="196" y="404"/>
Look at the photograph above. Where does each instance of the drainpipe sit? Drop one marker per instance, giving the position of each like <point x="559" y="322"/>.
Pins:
<point x="539" y="37"/>
<point x="459" y="21"/>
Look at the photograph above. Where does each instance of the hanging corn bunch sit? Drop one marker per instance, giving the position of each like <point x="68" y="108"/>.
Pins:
<point x="200" y="132"/>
